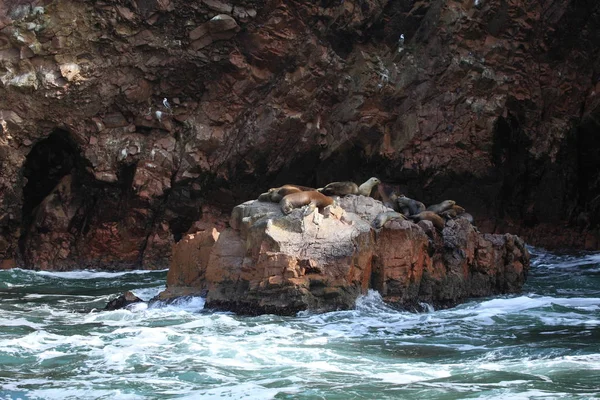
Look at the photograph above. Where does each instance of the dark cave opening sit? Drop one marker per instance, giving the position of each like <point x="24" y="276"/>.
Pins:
<point x="510" y="157"/>
<point x="47" y="163"/>
<point x="182" y="210"/>
<point x="588" y="171"/>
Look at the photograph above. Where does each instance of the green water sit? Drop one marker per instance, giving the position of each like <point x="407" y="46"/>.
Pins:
<point x="543" y="344"/>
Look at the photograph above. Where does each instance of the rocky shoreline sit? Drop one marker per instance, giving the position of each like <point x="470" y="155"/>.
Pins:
<point x="269" y="262"/>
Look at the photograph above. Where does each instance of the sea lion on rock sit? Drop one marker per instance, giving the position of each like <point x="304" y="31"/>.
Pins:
<point x="346" y="188"/>
<point x="467" y="216"/>
<point x="387" y="198"/>
<point x="265" y="197"/>
<point x="366" y="188"/>
<point x="453" y="212"/>
<point x="300" y="199"/>
<point x="448" y="214"/>
<point x="435" y="219"/>
<point x="276" y="194"/>
<point x="458" y="209"/>
<point x="386" y="216"/>
<point x="441" y="207"/>
<point x="409" y="206"/>
<point x="391" y="202"/>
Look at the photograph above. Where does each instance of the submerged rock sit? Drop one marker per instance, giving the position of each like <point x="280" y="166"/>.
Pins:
<point x="122" y="301"/>
<point x="268" y="262"/>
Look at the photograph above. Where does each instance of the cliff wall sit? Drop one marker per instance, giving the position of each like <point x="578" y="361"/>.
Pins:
<point x="493" y="103"/>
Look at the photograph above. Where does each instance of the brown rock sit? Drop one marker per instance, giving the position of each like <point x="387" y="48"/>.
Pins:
<point x="218" y="6"/>
<point x="190" y="258"/>
<point x="139" y="92"/>
<point x="8" y="264"/>
<point x="271" y="263"/>
<point x="199" y="32"/>
<point x="114" y="120"/>
<point x="222" y="23"/>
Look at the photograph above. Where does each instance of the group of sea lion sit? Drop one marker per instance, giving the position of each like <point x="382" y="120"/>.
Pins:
<point x="290" y="197"/>
<point x="295" y="196"/>
<point x="407" y="208"/>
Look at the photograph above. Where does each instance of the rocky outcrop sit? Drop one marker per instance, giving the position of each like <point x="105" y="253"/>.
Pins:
<point x="491" y="103"/>
<point x="268" y="262"/>
<point x="122" y="301"/>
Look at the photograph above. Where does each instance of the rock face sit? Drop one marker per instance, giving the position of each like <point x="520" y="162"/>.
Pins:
<point x="268" y="262"/>
<point x="494" y="104"/>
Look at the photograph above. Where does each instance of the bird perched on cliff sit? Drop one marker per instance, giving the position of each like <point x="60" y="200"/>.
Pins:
<point x="166" y="104"/>
<point x="401" y="43"/>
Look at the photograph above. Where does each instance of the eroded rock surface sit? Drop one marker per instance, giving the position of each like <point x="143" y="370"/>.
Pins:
<point x="272" y="263"/>
<point x="494" y="104"/>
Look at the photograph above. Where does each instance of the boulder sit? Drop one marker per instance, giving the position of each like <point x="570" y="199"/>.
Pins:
<point x="268" y="262"/>
<point x="122" y="301"/>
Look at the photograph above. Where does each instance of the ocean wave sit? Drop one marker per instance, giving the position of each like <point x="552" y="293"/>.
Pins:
<point x="90" y="274"/>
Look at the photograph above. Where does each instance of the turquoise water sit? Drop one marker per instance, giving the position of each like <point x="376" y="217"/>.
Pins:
<point x="543" y="344"/>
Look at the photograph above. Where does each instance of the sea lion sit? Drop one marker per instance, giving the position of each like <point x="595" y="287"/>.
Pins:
<point x="448" y="214"/>
<point x="458" y="209"/>
<point x="386" y="216"/>
<point x="388" y="198"/>
<point x="264" y="197"/>
<point x="347" y="187"/>
<point x="276" y="194"/>
<point x="366" y="188"/>
<point x="453" y="212"/>
<point x="437" y="221"/>
<point x="467" y="216"/>
<point x="409" y="206"/>
<point x="299" y="199"/>
<point x="390" y="201"/>
<point x="441" y="207"/>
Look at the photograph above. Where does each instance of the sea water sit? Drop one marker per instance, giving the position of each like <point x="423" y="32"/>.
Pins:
<point x="55" y="343"/>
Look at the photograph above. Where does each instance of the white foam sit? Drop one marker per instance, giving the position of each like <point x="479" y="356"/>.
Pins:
<point x="20" y="322"/>
<point x="248" y="390"/>
<point x="89" y="274"/>
<point x="402" y="378"/>
<point x="41" y="341"/>
<point x="137" y="307"/>
<point x="519" y="304"/>
<point x="69" y="392"/>
<point x="46" y="355"/>
<point x="549" y="261"/>
<point x="148" y="293"/>
<point x="189" y="304"/>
